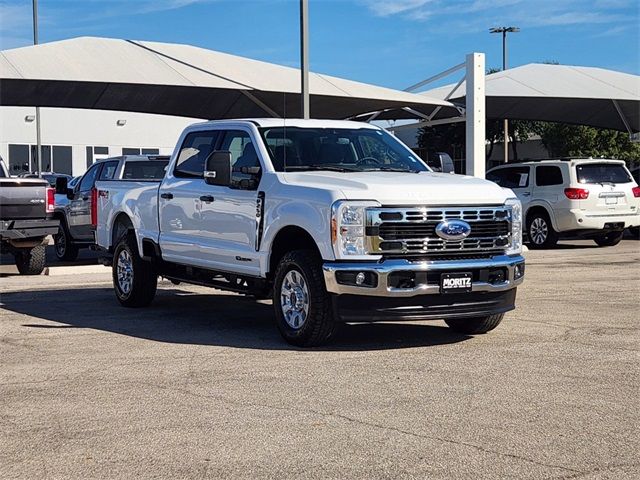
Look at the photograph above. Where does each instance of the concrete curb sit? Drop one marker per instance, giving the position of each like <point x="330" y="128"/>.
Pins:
<point x="76" y="270"/>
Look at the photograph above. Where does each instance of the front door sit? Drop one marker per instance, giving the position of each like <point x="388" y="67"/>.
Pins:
<point x="229" y="220"/>
<point x="79" y="207"/>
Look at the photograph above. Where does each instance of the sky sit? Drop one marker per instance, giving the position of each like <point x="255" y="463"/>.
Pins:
<point x="393" y="43"/>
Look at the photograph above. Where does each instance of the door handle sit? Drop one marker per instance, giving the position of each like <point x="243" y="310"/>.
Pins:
<point x="167" y="196"/>
<point x="526" y="194"/>
<point x="207" y="198"/>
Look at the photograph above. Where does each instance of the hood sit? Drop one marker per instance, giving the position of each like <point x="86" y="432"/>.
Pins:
<point x="399" y="188"/>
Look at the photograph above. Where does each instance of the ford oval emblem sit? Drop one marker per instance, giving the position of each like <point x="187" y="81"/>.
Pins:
<point x="453" y="230"/>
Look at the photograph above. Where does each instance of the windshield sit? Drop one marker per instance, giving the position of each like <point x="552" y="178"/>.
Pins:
<point x="338" y="149"/>
<point x="602" y="173"/>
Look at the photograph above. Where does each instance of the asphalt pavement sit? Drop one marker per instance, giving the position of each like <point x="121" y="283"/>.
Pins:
<point x="200" y="384"/>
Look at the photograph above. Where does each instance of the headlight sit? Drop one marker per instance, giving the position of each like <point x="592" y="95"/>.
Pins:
<point x="348" y="228"/>
<point x="516" y="226"/>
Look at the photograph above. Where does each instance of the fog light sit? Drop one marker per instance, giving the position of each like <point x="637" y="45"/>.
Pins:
<point x="360" y="278"/>
<point x="518" y="271"/>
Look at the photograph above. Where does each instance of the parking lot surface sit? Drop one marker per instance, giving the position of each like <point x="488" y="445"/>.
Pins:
<point x="201" y="385"/>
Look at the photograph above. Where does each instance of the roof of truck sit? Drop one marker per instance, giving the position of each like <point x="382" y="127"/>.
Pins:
<point x="293" y="122"/>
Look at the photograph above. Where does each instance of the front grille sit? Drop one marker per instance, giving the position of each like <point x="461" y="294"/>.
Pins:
<point x="413" y="230"/>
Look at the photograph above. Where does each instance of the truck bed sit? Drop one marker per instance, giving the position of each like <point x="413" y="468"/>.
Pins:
<point x="137" y="199"/>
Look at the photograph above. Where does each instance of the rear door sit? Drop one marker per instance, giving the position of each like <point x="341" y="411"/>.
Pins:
<point x="517" y="178"/>
<point x="180" y="204"/>
<point x="549" y="181"/>
<point x="610" y="188"/>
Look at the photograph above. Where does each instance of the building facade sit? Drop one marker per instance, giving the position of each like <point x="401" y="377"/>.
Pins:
<point x="72" y="139"/>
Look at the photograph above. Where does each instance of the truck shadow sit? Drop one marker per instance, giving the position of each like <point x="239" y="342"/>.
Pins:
<point x="178" y="316"/>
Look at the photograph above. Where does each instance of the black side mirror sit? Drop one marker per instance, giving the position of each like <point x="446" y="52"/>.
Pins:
<point x="217" y="169"/>
<point x="62" y="185"/>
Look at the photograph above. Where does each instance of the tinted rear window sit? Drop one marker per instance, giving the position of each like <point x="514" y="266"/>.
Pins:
<point x="144" y="170"/>
<point x="602" y="173"/>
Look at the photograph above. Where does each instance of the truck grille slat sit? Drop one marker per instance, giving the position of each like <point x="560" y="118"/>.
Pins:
<point x="413" y="230"/>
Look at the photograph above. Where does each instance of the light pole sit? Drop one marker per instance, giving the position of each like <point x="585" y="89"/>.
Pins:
<point x="304" y="58"/>
<point x="504" y="31"/>
<point x="38" y="138"/>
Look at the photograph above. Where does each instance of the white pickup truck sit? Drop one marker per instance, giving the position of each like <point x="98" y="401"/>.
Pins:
<point x="336" y="221"/>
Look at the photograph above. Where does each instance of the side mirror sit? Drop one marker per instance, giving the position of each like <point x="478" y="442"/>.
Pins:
<point x="62" y="185"/>
<point x="217" y="169"/>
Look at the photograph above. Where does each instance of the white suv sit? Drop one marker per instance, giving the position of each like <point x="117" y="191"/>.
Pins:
<point x="587" y="198"/>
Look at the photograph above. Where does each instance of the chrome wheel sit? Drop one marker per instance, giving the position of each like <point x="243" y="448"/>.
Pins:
<point x="294" y="299"/>
<point x="538" y="231"/>
<point x="124" y="272"/>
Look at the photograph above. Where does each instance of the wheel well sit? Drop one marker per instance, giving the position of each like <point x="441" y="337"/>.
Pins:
<point x="540" y="210"/>
<point x="121" y="225"/>
<point x="288" y="239"/>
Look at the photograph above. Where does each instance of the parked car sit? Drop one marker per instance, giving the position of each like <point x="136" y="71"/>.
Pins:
<point x="75" y="203"/>
<point x="26" y="206"/>
<point x="336" y="221"/>
<point x="589" y="198"/>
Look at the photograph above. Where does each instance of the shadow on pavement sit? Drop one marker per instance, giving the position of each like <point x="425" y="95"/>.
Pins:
<point x="178" y="316"/>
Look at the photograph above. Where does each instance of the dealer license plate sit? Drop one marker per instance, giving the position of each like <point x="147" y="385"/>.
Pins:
<point x="455" y="282"/>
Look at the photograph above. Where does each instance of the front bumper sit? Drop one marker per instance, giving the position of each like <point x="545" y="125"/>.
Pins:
<point x="425" y="274"/>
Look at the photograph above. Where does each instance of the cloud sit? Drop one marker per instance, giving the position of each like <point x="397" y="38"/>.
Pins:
<point x="476" y="15"/>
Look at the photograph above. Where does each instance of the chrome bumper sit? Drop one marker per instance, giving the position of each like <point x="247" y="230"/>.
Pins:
<point x="386" y="268"/>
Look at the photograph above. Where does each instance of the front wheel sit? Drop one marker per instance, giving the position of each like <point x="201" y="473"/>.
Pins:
<point x="301" y="302"/>
<point x="609" y="239"/>
<point x="540" y="231"/>
<point x="475" y="325"/>
<point x="134" y="280"/>
<point x="31" y="261"/>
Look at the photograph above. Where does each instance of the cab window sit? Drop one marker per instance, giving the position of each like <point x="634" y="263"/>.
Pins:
<point x="243" y="156"/>
<point x="108" y="170"/>
<point x="197" y="146"/>
<point x="89" y="179"/>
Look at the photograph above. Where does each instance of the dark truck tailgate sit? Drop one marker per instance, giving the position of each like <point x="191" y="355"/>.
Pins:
<point x="23" y="198"/>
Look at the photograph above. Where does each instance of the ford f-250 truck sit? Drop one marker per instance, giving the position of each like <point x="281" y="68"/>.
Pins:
<point x="26" y="207"/>
<point x="336" y="221"/>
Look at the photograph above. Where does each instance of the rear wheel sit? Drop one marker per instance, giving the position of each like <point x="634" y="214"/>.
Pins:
<point x="609" y="239"/>
<point x="31" y="261"/>
<point x="476" y="325"/>
<point x="301" y="302"/>
<point x="635" y="232"/>
<point x="540" y="231"/>
<point x="63" y="245"/>
<point x="134" y="280"/>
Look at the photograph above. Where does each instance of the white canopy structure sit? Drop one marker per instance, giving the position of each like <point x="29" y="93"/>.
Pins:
<point x="558" y="93"/>
<point x="172" y="79"/>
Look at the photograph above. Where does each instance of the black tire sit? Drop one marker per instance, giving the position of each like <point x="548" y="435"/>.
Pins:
<point x="138" y="286"/>
<point x="63" y="245"/>
<point x="317" y="325"/>
<point x="609" y="239"/>
<point x="635" y="232"/>
<point x="476" y="325"/>
<point x="31" y="261"/>
<point x="540" y="231"/>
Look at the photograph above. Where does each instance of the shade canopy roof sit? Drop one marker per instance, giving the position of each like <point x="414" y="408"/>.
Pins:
<point x="559" y="93"/>
<point x="172" y="79"/>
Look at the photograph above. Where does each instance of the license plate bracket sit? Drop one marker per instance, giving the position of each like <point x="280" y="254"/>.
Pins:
<point x="459" y="282"/>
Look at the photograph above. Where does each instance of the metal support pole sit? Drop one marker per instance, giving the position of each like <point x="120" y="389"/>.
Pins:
<point x="476" y="116"/>
<point x="506" y="122"/>
<point x="38" y="138"/>
<point x="304" y="57"/>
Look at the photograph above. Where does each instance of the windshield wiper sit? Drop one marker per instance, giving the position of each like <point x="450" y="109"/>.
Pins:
<point x="331" y="168"/>
<point x="390" y="169"/>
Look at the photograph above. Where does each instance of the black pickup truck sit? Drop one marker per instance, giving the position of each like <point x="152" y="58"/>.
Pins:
<point x="26" y="209"/>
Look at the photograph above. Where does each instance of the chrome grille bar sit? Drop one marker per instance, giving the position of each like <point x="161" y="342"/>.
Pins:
<point x="412" y="230"/>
